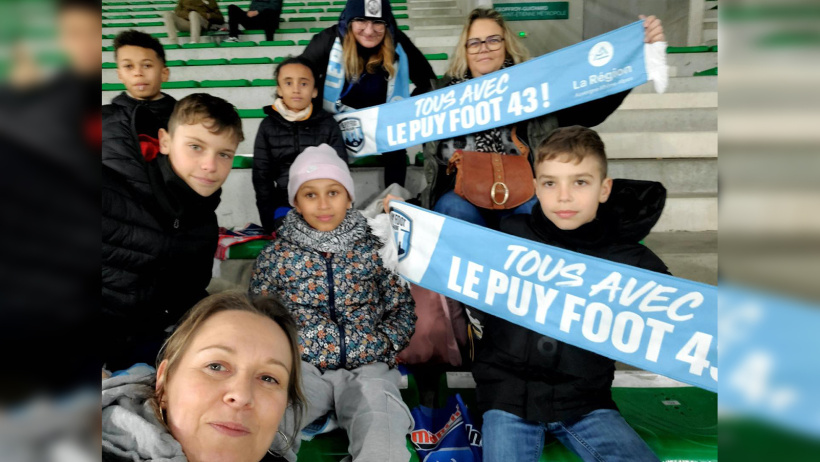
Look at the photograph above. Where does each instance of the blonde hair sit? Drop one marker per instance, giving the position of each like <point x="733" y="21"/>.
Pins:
<point x="513" y="48"/>
<point x="269" y="307"/>
<point x="355" y="65"/>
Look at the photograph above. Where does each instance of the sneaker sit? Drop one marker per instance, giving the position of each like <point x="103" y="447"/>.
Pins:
<point x="231" y="39"/>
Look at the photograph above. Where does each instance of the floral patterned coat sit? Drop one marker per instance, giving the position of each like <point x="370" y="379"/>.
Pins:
<point x="350" y="309"/>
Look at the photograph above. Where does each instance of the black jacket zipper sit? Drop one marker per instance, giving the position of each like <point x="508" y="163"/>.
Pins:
<point x="339" y="323"/>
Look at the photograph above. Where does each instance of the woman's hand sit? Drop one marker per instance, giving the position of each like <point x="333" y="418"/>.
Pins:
<point x="387" y="199"/>
<point x="252" y="13"/>
<point x="653" y="30"/>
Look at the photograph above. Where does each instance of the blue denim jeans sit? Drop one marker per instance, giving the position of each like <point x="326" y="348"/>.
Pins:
<point x="601" y="435"/>
<point x="453" y="205"/>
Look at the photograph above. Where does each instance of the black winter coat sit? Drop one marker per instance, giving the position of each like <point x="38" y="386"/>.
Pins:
<point x="158" y="241"/>
<point x="318" y="52"/>
<point x="161" y="108"/>
<point x="542" y="379"/>
<point x="278" y="142"/>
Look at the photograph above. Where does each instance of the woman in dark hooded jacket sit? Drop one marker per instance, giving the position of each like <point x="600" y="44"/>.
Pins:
<point x="364" y="61"/>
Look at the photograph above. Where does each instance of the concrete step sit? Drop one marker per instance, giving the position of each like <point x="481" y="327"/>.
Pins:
<point x="287" y="24"/>
<point x="413" y="5"/>
<point x="639" y="145"/>
<point x="679" y="176"/>
<point x="445" y="39"/>
<point x="661" y="120"/>
<point x="434" y="11"/>
<point x="686" y="64"/>
<point x="253" y="52"/>
<point x="689" y="255"/>
<point x="706" y="99"/>
<point x="682" y="84"/>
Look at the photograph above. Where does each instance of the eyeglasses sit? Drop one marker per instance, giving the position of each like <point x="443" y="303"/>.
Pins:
<point x="494" y="42"/>
<point x="361" y="24"/>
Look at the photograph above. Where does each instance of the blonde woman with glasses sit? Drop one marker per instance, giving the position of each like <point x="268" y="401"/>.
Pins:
<point x="486" y="45"/>
<point x="364" y="61"/>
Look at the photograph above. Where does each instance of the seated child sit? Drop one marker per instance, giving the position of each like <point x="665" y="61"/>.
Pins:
<point x="354" y="315"/>
<point x="195" y="16"/>
<point x="159" y="229"/>
<point x="141" y="68"/>
<point x="528" y="383"/>
<point x="293" y="124"/>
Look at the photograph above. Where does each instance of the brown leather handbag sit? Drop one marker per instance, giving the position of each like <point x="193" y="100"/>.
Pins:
<point x="491" y="180"/>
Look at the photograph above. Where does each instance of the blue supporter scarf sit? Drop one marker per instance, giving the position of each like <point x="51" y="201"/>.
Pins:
<point x="595" y="68"/>
<point x="653" y="321"/>
<point x="398" y="87"/>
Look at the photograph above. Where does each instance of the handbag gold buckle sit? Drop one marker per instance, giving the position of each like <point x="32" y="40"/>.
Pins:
<point x="506" y="193"/>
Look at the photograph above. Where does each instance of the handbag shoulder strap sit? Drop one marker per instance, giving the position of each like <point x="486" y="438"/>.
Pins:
<point x="522" y="148"/>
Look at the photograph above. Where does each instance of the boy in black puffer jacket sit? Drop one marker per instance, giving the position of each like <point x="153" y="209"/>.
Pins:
<point x="293" y="124"/>
<point x="141" y="68"/>
<point x="528" y="383"/>
<point x="159" y="227"/>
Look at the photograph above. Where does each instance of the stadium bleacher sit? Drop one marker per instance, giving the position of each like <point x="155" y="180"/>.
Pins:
<point x="670" y="138"/>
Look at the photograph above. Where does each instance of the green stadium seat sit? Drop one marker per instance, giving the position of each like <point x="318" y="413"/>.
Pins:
<point x="335" y="9"/>
<point x="401" y="16"/>
<point x="111" y="48"/>
<point x="174" y="63"/>
<point x="119" y="16"/>
<point x="140" y="3"/>
<point x="316" y="30"/>
<point x="318" y="3"/>
<point x="251" y="113"/>
<point x="122" y="24"/>
<point x="399" y="8"/>
<point x="311" y="10"/>
<point x="295" y="30"/>
<point x="171" y="46"/>
<point x="340" y="2"/>
<point x="117" y="10"/>
<point x="243" y="162"/>
<point x="700" y="49"/>
<point x="147" y="16"/>
<point x="436" y="56"/>
<point x="166" y="8"/>
<point x="113" y="87"/>
<point x="263" y="83"/>
<point x="180" y="84"/>
<point x="150" y="24"/>
<point x="712" y="71"/>
<point x="329" y="18"/>
<point x="303" y="19"/>
<point x="207" y="62"/>
<point x="397" y="1"/>
<point x="144" y="8"/>
<point x="278" y="59"/>
<point x="277" y="43"/>
<point x="304" y="42"/>
<point x="260" y="60"/>
<point x="288" y="11"/>
<point x="159" y="34"/>
<point x="109" y="65"/>
<point x="713" y="48"/>
<point x="199" y="45"/>
<point x="404" y="27"/>
<point x="237" y="44"/>
<point x="109" y="36"/>
<point x="293" y="4"/>
<point x="253" y="31"/>
<point x="225" y="83"/>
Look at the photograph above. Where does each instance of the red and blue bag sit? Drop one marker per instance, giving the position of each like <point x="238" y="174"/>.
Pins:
<point x="446" y="434"/>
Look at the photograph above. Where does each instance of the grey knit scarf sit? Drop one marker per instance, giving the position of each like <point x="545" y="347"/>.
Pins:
<point x="351" y="229"/>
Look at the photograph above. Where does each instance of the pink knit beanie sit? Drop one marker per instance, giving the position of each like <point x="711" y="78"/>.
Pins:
<point x="318" y="162"/>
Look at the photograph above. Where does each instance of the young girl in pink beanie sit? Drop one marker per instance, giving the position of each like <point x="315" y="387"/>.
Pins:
<point x="354" y="314"/>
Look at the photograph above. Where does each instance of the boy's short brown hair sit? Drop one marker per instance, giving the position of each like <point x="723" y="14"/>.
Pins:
<point x="572" y="143"/>
<point x="216" y="114"/>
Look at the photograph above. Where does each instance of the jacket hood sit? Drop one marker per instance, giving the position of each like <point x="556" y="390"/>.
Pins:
<point x="367" y="9"/>
<point x="633" y="208"/>
<point x="164" y="105"/>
